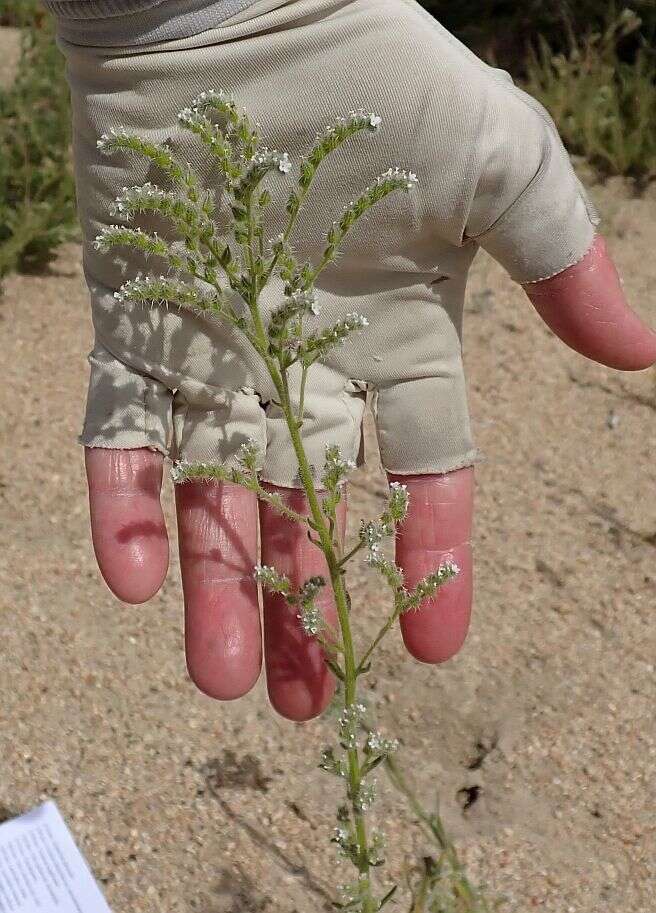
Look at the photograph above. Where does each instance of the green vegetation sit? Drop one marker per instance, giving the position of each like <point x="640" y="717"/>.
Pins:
<point x="502" y="31"/>
<point x="605" y="107"/>
<point x="592" y="65"/>
<point x="37" y="192"/>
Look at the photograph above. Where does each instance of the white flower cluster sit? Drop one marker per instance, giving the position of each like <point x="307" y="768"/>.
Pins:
<point x="248" y="453"/>
<point x="336" y="468"/>
<point x="377" y="744"/>
<point x="304" y="300"/>
<point x="375" y="557"/>
<point x="360" y="118"/>
<point x="318" y="344"/>
<point x="271" y="579"/>
<point x="348" y="722"/>
<point x="365" y="796"/>
<point x="352" y="713"/>
<point x="206" y="98"/>
<point x="399" y="499"/>
<point x="429" y="585"/>
<point x="179" y="470"/>
<point x="107" y="142"/>
<point x="310" y="614"/>
<point x="148" y="192"/>
<point x="271" y="157"/>
<point x="277" y="243"/>
<point x="311" y="619"/>
<point x="185" y="471"/>
<point x="354" y="321"/>
<point x="138" y="288"/>
<point x="371" y="534"/>
<point x="137" y="238"/>
<point x="342" y="838"/>
<point x="191" y="116"/>
<point x="390" y="571"/>
<point x="409" y="179"/>
<point x="101" y="241"/>
<point x="164" y="290"/>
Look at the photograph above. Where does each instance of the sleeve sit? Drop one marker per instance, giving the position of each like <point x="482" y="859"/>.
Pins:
<point x="528" y="209"/>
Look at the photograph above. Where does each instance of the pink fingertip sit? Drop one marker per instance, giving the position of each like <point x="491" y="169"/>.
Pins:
<point x="127" y="523"/>
<point x="586" y="307"/>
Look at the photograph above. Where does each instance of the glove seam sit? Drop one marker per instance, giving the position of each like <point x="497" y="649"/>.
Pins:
<point x="471" y="458"/>
<point x="562" y="270"/>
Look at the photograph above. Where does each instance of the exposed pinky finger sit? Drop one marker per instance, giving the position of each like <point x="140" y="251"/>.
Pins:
<point x="437" y="529"/>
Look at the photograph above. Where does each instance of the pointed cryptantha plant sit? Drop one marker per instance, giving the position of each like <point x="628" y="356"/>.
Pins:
<point x="244" y="263"/>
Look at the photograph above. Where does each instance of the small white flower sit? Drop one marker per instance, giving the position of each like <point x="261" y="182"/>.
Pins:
<point x="351" y="715"/>
<point x="284" y="163"/>
<point x="311" y="619"/>
<point x="304" y="300"/>
<point x="178" y="470"/>
<point x="248" y="453"/>
<point x="362" y="118"/>
<point x="371" y="534"/>
<point x="365" y="796"/>
<point x="205" y="98"/>
<point x="409" y="179"/>
<point x="106" y="143"/>
<point x="355" y="321"/>
<point x="269" y="577"/>
<point x="188" y="116"/>
<point x="272" y="157"/>
<point x="378" y="744"/>
<point x="399" y="499"/>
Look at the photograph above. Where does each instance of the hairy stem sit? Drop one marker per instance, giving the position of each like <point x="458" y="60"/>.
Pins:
<point x="383" y="631"/>
<point x="328" y="546"/>
<point x="434" y="826"/>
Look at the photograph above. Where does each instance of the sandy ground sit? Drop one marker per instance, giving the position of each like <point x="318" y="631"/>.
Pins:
<point x="10" y="54"/>
<point x="182" y="804"/>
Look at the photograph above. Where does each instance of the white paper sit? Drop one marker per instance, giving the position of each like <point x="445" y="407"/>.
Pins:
<point x="41" y="868"/>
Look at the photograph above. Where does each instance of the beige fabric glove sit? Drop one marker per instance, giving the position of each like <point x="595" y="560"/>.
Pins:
<point x="491" y="171"/>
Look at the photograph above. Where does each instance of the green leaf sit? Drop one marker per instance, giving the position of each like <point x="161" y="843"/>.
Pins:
<point x="334" y="668"/>
<point x="386" y="899"/>
<point x="373" y="764"/>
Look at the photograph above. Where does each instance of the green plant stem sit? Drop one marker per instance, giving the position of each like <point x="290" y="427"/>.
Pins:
<point x="327" y="545"/>
<point x="278" y="504"/>
<point x="301" y="398"/>
<point x="352" y="553"/>
<point x="383" y="631"/>
<point x="419" y="902"/>
<point x="433" y="824"/>
<point x="341" y="602"/>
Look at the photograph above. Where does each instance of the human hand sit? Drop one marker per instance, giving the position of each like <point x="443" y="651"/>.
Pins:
<point x="218" y="523"/>
<point x="478" y="186"/>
